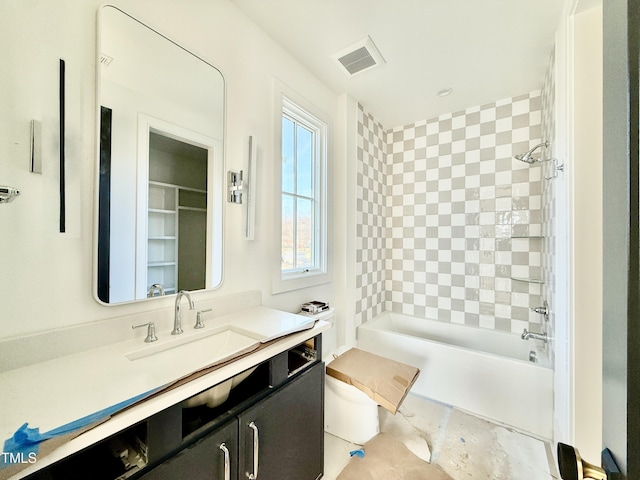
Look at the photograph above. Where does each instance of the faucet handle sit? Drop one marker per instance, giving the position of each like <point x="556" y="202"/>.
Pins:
<point x="543" y="310"/>
<point x="199" y="323"/>
<point x="151" y="331"/>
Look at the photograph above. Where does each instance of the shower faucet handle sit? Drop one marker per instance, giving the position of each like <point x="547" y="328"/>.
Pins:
<point x="543" y="310"/>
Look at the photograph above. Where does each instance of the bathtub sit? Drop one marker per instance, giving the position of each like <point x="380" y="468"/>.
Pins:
<point x="484" y="372"/>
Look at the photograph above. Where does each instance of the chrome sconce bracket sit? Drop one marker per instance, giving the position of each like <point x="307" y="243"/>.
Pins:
<point x="234" y="186"/>
<point x="8" y="194"/>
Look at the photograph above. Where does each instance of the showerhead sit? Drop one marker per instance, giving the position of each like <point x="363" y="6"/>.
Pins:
<point x="526" y="157"/>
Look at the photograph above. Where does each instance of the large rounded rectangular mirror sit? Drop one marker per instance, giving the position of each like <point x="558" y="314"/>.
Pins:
<point x="160" y="164"/>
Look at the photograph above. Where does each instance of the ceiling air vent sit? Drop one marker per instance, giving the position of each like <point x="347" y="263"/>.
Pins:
<point x="105" y="59"/>
<point x="359" y="57"/>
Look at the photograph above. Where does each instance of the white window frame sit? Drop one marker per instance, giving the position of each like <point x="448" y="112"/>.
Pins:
<point x="296" y="108"/>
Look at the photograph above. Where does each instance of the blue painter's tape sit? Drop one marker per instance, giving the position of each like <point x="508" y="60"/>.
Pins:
<point x="25" y="442"/>
<point x="357" y="453"/>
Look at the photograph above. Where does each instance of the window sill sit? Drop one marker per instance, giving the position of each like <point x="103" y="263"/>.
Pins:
<point x="292" y="282"/>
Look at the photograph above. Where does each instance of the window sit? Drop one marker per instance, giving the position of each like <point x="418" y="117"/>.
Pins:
<point x="303" y="246"/>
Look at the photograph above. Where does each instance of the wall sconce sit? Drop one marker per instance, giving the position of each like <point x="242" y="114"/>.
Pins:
<point x="242" y="189"/>
<point x="234" y="186"/>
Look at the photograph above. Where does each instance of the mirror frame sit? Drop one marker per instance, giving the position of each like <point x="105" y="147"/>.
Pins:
<point x="215" y="170"/>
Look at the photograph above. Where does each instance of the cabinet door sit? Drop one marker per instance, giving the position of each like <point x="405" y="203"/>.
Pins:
<point x="204" y="460"/>
<point x="287" y="428"/>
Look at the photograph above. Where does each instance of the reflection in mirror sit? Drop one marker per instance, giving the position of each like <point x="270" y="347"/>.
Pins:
<point x="161" y="169"/>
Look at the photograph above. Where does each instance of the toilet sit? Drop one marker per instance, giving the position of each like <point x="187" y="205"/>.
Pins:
<point x="349" y="413"/>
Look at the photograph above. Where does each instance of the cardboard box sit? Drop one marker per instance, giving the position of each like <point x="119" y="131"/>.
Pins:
<point x="386" y="381"/>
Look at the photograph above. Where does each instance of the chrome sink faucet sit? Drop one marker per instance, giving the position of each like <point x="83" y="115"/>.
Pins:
<point x="177" y="320"/>
<point x="156" y="287"/>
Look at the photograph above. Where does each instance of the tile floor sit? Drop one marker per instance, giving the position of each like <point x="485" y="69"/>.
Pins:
<point x="465" y="446"/>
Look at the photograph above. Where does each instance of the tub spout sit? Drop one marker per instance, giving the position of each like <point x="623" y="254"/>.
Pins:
<point x="526" y="335"/>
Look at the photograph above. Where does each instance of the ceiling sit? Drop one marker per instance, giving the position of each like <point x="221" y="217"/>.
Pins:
<point x="484" y="50"/>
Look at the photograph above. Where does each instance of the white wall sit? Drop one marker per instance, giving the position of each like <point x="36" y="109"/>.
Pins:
<point x="587" y="231"/>
<point x="46" y="277"/>
<point x="578" y="305"/>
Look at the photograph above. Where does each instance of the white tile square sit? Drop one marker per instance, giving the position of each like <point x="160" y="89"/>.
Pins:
<point x="457" y="317"/>
<point x="487" y="321"/>
<point x="444" y="232"/>
<point x="518" y="326"/>
<point x="503" y="178"/>
<point x="473" y="206"/>
<point x="458" y="146"/>
<point x="458" y="195"/>
<point x="503" y="285"/>
<point x="472" y="131"/>
<point x="520" y="134"/>
<point x="445" y="137"/>
<point x="444" y="279"/>
<point x="487" y="296"/>
<point x="444" y="255"/>
<point x="503" y="311"/>
<point x="458" y="220"/>
<point x="471" y="306"/>
<point x="408" y="308"/>
<point x="473" y="156"/>
<point x="487" y="141"/>
<point x="420" y="142"/>
<point x="488" y="270"/>
<point x="458" y="122"/>
<point x="431" y="290"/>
<point x="487" y="115"/>
<point x="504" y="125"/>
<point x="444" y="184"/>
<point x="458" y="293"/>
<point x="444" y="302"/>
<point x="432" y="151"/>
<point x="520" y="107"/>
<point x="506" y="151"/>
<point x="472" y="256"/>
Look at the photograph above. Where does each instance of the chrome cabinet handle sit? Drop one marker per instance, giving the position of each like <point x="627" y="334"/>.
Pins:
<point x="256" y="445"/>
<point x="227" y="471"/>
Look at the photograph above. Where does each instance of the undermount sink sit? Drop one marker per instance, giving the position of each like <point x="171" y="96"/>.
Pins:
<point x="217" y="394"/>
<point x="201" y="350"/>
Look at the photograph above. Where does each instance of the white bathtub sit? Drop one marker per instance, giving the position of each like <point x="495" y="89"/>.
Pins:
<point x="484" y="372"/>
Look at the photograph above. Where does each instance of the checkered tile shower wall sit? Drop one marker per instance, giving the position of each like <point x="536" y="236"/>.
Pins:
<point x="370" y="228"/>
<point x="464" y="219"/>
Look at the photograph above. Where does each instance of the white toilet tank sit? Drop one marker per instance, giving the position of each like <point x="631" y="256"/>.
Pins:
<point x="329" y="337"/>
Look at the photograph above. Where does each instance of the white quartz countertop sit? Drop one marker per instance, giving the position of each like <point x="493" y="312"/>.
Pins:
<point x="50" y="394"/>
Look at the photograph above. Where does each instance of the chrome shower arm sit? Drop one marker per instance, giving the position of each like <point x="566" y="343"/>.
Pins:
<point x="527" y="158"/>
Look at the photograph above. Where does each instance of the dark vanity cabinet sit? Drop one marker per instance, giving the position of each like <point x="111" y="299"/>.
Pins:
<point x="270" y="428"/>
<point x="279" y="437"/>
